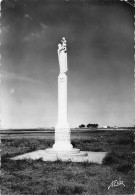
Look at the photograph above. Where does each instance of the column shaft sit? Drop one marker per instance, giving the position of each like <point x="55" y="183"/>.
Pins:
<point x="62" y="98"/>
<point x="62" y="129"/>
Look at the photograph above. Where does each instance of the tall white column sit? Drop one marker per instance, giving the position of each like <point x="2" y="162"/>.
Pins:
<point x="62" y="129"/>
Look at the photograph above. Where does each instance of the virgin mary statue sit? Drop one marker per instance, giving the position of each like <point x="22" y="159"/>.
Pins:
<point x="62" y="56"/>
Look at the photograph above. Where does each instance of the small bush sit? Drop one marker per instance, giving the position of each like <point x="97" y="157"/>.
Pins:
<point x="120" y="162"/>
<point x="110" y="159"/>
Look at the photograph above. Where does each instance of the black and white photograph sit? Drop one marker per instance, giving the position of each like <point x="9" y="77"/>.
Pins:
<point x="67" y="97"/>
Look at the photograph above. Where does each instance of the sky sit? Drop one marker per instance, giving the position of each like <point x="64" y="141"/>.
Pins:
<point x="100" y="74"/>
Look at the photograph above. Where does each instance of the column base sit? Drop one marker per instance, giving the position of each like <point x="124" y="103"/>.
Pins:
<point x="53" y="151"/>
<point x="62" y="137"/>
<point x="62" y="146"/>
<point x="75" y="152"/>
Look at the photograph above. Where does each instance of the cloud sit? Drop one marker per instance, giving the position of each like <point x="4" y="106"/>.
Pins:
<point x="27" y="16"/>
<point x="14" y="76"/>
<point x="5" y="29"/>
<point x="32" y="36"/>
<point x="12" y="91"/>
<point x="43" y="26"/>
<point x="39" y="34"/>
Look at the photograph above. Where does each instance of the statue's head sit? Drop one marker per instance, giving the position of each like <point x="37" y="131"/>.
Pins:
<point x="63" y="41"/>
<point x="64" y="44"/>
<point x="59" y="45"/>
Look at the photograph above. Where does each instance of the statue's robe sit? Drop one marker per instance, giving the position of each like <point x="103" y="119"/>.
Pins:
<point x="62" y="57"/>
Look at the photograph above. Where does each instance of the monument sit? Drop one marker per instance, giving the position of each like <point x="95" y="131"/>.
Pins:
<point x="62" y="129"/>
<point x="62" y="143"/>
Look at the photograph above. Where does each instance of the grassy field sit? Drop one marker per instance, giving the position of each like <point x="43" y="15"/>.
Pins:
<point x="52" y="178"/>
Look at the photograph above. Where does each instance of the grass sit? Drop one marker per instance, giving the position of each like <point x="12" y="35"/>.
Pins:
<point x="52" y="178"/>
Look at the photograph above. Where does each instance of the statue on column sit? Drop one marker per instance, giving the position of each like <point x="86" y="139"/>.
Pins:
<point x="62" y="56"/>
